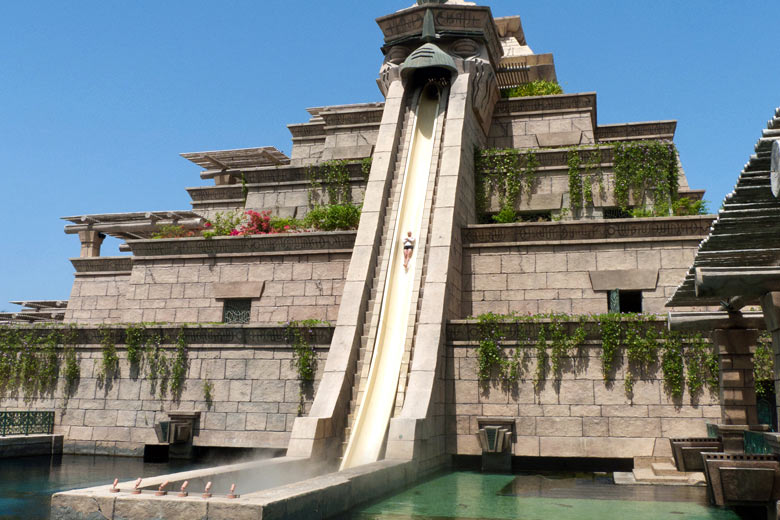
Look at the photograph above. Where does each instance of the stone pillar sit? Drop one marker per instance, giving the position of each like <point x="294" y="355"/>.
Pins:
<point x="737" y="389"/>
<point x="90" y="243"/>
<point x="770" y="303"/>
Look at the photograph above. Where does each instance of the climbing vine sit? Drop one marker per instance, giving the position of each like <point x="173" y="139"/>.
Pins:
<point x="763" y="367"/>
<point x="634" y="338"/>
<point x="645" y="173"/>
<point x="333" y="176"/>
<point x="179" y="366"/>
<point x="702" y="364"/>
<point x="507" y="174"/>
<point x="583" y="177"/>
<point x="646" y="170"/>
<point x="109" y="363"/>
<point x="300" y="334"/>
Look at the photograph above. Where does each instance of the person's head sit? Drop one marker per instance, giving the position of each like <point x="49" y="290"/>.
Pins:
<point x="409" y="233"/>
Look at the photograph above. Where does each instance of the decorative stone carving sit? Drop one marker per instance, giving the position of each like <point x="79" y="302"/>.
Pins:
<point x="485" y="92"/>
<point x="397" y="54"/>
<point x="465" y="48"/>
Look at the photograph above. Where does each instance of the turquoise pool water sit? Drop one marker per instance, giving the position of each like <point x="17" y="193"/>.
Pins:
<point x="26" y="484"/>
<point x="470" y="495"/>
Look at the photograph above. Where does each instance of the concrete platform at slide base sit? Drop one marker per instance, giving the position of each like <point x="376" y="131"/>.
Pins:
<point x="326" y="495"/>
<point x="30" y="445"/>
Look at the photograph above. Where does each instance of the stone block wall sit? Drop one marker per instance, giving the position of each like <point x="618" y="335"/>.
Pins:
<point x="182" y="290"/>
<point x="534" y="277"/>
<point x="578" y="416"/>
<point x="255" y="399"/>
<point x="567" y="120"/>
<point x="97" y="298"/>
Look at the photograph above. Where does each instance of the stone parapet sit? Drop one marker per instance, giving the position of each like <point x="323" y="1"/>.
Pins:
<point x="319" y="242"/>
<point x="485" y="235"/>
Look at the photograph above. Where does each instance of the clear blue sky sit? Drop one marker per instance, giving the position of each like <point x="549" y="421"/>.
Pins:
<point x="98" y="97"/>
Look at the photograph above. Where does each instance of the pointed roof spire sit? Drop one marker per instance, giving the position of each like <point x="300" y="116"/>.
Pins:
<point x="429" y="27"/>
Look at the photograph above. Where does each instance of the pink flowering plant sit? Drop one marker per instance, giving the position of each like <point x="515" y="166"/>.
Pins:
<point x="321" y="218"/>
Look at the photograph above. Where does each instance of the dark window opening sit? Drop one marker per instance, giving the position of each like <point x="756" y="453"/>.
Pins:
<point x="610" y="213"/>
<point x="624" y="301"/>
<point x="237" y="311"/>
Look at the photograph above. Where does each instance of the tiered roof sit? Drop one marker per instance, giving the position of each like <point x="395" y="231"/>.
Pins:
<point x="745" y="238"/>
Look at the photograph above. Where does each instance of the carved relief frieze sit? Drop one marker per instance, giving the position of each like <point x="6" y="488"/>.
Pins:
<point x="341" y="240"/>
<point x="693" y="227"/>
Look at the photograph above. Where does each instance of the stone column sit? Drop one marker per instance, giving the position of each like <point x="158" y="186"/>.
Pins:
<point x="737" y="389"/>
<point x="770" y="303"/>
<point x="90" y="243"/>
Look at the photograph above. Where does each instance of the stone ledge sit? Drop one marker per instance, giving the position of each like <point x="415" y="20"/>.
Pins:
<point x="262" y="335"/>
<point x="618" y="229"/>
<point x="281" y="243"/>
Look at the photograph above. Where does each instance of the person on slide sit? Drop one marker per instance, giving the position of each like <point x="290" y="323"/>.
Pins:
<point x="408" y="249"/>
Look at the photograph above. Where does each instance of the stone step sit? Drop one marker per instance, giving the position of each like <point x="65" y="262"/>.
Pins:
<point x="665" y="469"/>
<point x="647" y="476"/>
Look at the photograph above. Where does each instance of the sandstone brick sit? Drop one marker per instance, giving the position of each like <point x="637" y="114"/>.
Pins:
<point x="559" y="426"/>
<point x="240" y="390"/>
<point x="634" y="427"/>
<point x="235" y="369"/>
<point x="595" y="426"/>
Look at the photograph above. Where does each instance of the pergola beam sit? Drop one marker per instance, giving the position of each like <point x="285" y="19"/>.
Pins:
<point x="728" y="282"/>
<point x="716" y="320"/>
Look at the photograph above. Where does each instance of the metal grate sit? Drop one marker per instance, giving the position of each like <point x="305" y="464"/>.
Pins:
<point x="25" y="423"/>
<point x="237" y="311"/>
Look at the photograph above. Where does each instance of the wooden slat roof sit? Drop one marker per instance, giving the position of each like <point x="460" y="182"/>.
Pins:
<point x="747" y="230"/>
<point x="135" y="225"/>
<point x="237" y="159"/>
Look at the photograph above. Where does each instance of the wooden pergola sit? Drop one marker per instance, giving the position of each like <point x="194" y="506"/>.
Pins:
<point x="738" y="265"/>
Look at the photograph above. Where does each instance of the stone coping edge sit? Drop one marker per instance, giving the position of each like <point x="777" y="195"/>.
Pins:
<point x="689" y="227"/>
<point x="323" y="496"/>
<point x="468" y="332"/>
<point x="321" y="335"/>
<point x="287" y="242"/>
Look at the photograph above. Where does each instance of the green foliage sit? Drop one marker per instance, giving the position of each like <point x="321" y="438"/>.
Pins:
<point x="172" y="231"/>
<point x="702" y="364"/>
<point x="109" y="363"/>
<point x="333" y="217"/>
<point x="507" y="173"/>
<point x="646" y="170"/>
<point x="72" y="372"/>
<point x="583" y="177"/>
<point x="672" y="365"/>
<point x="300" y="334"/>
<point x="763" y="367"/>
<point x="681" y="207"/>
<point x="489" y="350"/>
<point x="365" y="167"/>
<point x="179" y="366"/>
<point x="333" y="176"/>
<point x="223" y="224"/>
<point x="208" y="389"/>
<point x="135" y="339"/>
<point x="609" y="326"/>
<point x="575" y="180"/>
<point x="282" y="224"/>
<point x="541" y="87"/>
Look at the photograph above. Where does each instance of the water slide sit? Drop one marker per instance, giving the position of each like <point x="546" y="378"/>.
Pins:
<point x="368" y="431"/>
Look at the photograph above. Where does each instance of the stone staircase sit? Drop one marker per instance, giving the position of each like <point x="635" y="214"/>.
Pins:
<point x="658" y="471"/>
